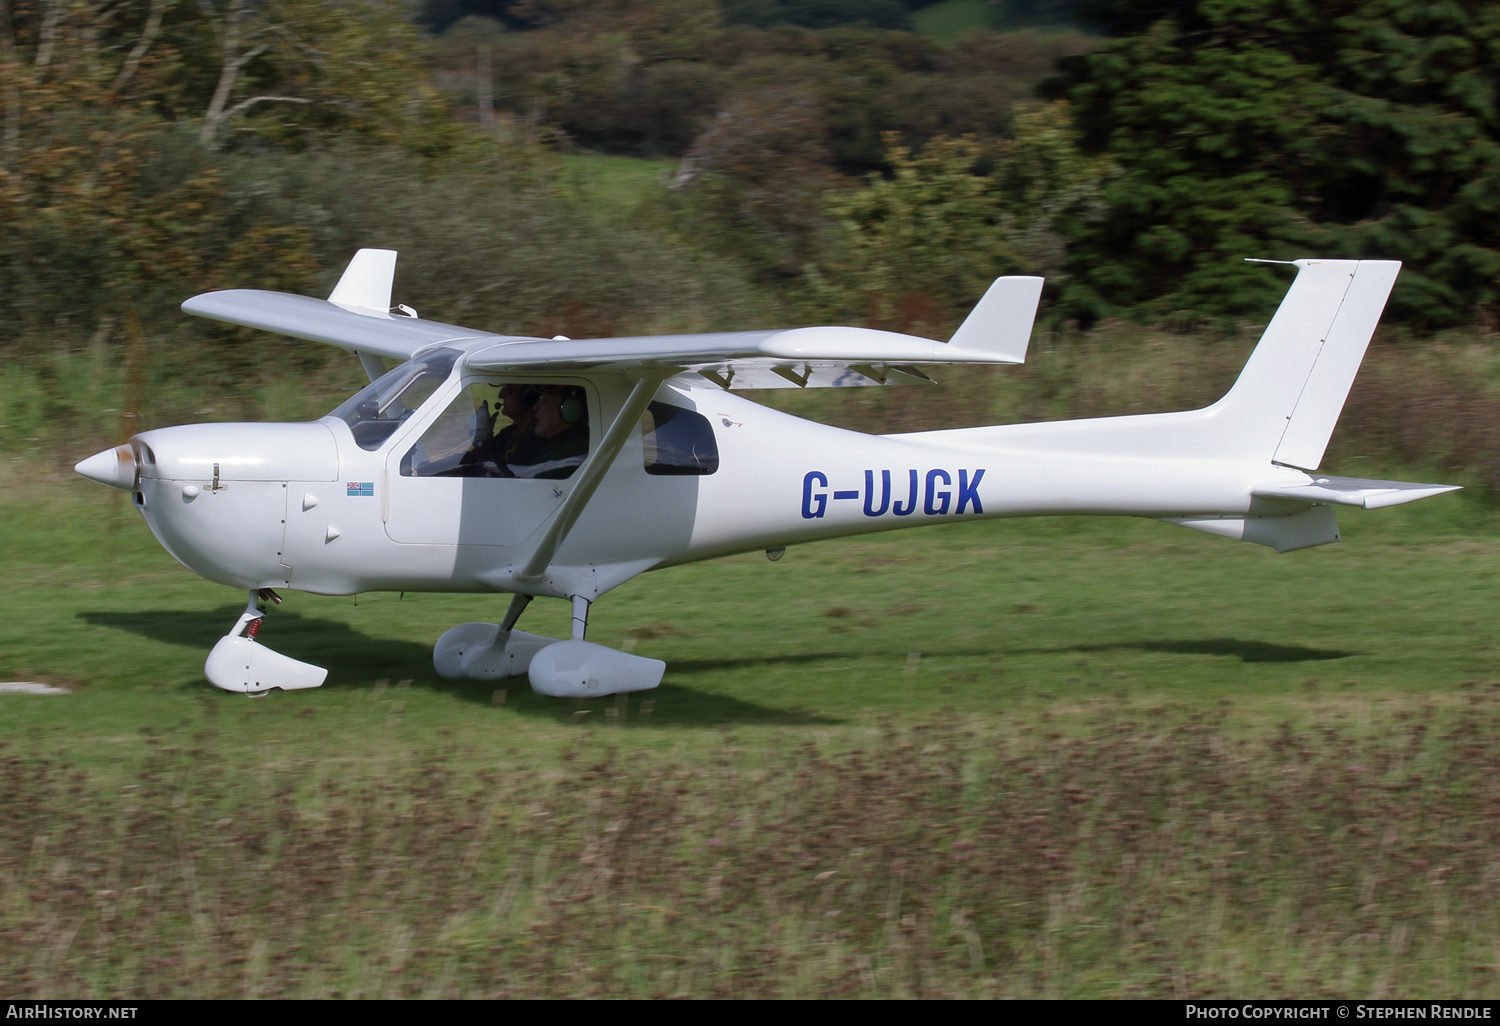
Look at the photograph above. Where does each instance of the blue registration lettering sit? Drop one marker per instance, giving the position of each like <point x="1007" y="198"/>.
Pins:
<point x="814" y="503"/>
<point x="911" y="500"/>
<point x="937" y="501"/>
<point x="968" y="491"/>
<point x="885" y="493"/>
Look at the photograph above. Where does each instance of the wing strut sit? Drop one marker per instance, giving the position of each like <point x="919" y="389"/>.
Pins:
<point x="591" y="473"/>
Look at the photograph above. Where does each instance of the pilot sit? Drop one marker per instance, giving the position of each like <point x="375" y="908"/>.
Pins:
<point x="561" y="439"/>
<point x="517" y="402"/>
<point x="492" y="454"/>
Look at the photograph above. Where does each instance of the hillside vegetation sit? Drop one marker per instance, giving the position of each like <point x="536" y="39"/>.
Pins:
<point x="558" y="167"/>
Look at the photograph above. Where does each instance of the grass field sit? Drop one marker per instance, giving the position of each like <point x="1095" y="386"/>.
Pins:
<point x="614" y="187"/>
<point x="1051" y="757"/>
<point x="950" y="19"/>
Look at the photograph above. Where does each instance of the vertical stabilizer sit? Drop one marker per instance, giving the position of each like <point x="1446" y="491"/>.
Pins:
<point x="1291" y="392"/>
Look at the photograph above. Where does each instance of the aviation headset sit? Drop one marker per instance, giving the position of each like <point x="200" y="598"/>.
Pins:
<point x="570" y="405"/>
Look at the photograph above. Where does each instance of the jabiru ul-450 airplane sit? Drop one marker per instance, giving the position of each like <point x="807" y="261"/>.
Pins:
<point x="563" y="468"/>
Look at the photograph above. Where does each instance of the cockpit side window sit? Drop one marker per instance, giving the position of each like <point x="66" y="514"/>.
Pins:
<point x="678" y="442"/>
<point x="375" y="411"/>
<point x="505" y="429"/>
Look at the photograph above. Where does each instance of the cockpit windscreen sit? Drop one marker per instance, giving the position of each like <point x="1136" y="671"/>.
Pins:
<point x="375" y="411"/>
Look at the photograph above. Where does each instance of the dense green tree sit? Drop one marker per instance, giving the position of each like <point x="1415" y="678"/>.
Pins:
<point x="1285" y="128"/>
<point x="646" y="77"/>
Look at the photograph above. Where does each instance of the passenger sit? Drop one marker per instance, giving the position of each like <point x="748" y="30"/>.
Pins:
<point x="561" y="438"/>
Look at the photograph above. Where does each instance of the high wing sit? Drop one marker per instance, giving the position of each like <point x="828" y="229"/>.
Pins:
<point x="798" y="358"/>
<point x="357" y="317"/>
<point x="319" y="320"/>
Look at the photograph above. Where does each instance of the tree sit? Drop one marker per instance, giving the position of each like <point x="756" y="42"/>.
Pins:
<point x="919" y="246"/>
<point x="1283" y="128"/>
<point x="818" y="14"/>
<point x="754" y="181"/>
<point x="353" y="67"/>
<point x="107" y="189"/>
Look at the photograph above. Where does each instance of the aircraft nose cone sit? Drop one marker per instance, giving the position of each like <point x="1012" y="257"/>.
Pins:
<point x="114" y="467"/>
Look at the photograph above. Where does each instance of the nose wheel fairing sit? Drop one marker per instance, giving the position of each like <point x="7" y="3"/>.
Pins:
<point x="240" y="663"/>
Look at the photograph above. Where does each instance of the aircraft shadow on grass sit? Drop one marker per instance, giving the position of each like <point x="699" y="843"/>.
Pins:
<point x="1245" y="651"/>
<point x="359" y="658"/>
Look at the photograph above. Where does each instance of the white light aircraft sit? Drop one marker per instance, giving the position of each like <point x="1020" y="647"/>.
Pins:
<point x="563" y="468"/>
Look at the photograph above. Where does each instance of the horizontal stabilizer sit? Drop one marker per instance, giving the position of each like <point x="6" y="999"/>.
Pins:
<point x="1353" y="491"/>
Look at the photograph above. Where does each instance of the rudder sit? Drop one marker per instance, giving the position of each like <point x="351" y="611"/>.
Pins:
<point x="1293" y="388"/>
<point x="1322" y="400"/>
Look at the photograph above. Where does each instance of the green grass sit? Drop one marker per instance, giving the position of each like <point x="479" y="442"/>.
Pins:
<point x="949" y="20"/>
<point x="613" y="187"/>
<point x="1050" y="757"/>
<point x="992" y="620"/>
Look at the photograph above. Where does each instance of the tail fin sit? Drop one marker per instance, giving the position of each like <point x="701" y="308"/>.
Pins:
<point x="1293" y="388"/>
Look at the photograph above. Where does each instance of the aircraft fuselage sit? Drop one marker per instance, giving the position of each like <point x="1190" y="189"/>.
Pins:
<point x="302" y="506"/>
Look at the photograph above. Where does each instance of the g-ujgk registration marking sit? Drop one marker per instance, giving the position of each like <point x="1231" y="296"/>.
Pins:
<point x="933" y="487"/>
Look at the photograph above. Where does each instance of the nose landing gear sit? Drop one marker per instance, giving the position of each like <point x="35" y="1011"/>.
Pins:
<point x="240" y="663"/>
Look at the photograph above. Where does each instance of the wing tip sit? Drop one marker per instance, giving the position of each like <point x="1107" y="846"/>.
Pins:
<point x="366" y="282"/>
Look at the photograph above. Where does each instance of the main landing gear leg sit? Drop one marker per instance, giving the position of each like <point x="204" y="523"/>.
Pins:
<point x="518" y="604"/>
<point x="240" y="663"/>
<point x="580" y="617"/>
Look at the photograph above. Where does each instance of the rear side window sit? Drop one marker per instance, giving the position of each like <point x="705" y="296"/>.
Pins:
<point x="678" y="442"/>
